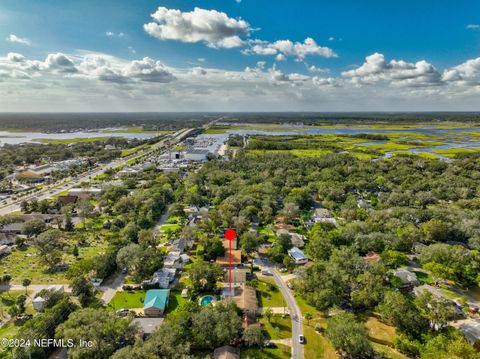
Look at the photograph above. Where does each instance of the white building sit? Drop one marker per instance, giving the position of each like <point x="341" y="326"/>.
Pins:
<point x="297" y="255"/>
<point x="196" y="154"/>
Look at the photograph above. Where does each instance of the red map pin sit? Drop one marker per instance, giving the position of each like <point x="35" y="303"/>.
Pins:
<point x="230" y="234"/>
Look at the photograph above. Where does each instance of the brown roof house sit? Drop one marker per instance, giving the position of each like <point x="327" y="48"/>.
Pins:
<point x="246" y="300"/>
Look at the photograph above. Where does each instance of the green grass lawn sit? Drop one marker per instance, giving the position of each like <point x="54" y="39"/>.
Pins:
<point x="278" y="327"/>
<point x="175" y="301"/>
<point x="280" y="352"/>
<point x="127" y="299"/>
<point x="170" y="227"/>
<point x="423" y="277"/>
<point x="268" y="297"/>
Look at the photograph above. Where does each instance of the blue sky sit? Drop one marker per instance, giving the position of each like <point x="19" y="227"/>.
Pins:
<point x="443" y="34"/>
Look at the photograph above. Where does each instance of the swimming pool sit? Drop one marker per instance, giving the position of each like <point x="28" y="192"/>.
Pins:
<point x="207" y="299"/>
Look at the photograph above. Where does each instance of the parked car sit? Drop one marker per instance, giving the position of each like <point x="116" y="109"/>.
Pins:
<point x="269" y="344"/>
<point x="266" y="272"/>
<point x="301" y="339"/>
<point x="122" y="312"/>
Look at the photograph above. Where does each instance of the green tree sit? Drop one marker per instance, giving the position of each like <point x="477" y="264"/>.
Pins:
<point x="49" y="245"/>
<point x="26" y="282"/>
<point x="107" y="332"/>
<point x="253" y="335"/>
<point x="204" y="276"/>
<point x="268" y="313"/>
<point x="33" y="227"/>
<point x="349" y="336"/>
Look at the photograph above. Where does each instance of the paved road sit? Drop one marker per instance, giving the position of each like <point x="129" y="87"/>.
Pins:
<point x="110" y="290"/>
<point x="47" y="193"/>
<point x="295" y="313"/>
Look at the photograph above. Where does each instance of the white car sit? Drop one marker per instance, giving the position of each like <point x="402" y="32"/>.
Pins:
<point x="301" y="339"/>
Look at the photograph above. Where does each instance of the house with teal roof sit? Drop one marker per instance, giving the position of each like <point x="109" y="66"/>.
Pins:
<point x="156" y="301"/>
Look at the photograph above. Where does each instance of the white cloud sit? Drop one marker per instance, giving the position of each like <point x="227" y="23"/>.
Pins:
<point x="316" y="69"/>
<point x="395" y="72"/>
<point x="212" y="27"/>
<point x="132" y="50"/>
<point x="299" y="50"/>
<point x="60" y="63"/>
<point x="198" y="71"/>
<point x="473" y="26"/>
<point x="201" y="59"/>
<point x="16" y="39"/>
<point x="467" y="73"/>
<point x="113" y="34"/>
<point x="95" y="81"/>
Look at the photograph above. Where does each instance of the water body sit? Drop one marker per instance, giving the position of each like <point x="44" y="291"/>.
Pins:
<point x="15" y="138"/>
<point x="464" y="142"/>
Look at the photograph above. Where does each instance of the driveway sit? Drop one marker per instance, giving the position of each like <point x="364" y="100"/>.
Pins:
<point x="294" y="310"/>
<point x="110" y="290"/>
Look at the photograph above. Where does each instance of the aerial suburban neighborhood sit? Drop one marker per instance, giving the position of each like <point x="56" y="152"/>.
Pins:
<point x="239" y="179"/>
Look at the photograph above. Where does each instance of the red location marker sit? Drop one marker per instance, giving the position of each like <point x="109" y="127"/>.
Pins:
<point x="230" y="235"/>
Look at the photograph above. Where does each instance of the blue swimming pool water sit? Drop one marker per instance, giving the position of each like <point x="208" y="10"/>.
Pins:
<point x="206" y="300"/>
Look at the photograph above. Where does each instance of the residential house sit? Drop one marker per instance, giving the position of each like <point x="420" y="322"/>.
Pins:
<point x="6" y="239"/>
<point x="226" y="352"/>
<point x="323" y="215"/>
<point x="4" y="250"/>
<point x="66" y="200"/>
<point x="156" y="301"/>
<point x="239" y="276"/>
<point x="471" y="330"/>
<point x="12" y="228"/>
<point x="297" y="255"/>
<point x="173" y="260"/>
<point x="147" y="326"/>
<point x="224" y="261"/>
<point x="246" y="299"/>
<point x="407" y="278"/>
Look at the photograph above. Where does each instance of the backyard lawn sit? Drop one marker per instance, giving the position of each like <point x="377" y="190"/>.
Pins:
<point x="127" y="299"/>
<point x="176" y="300"/>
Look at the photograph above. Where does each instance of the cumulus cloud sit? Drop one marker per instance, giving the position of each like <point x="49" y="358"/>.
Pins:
<point x="60" y="63"/>
<point x="467" y="73"/>
<point x="473" y="26"/>
<point x="211" y="27"/>
<point x="298" y="50"/>
<point x="396" y="72"/>
<point x="105" y="82"/>
<point x="16" y="39"/>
